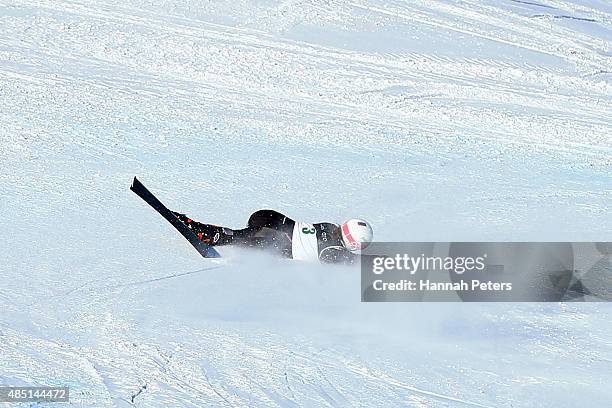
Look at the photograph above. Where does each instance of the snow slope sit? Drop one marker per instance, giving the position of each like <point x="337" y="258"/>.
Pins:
<point x="435" y="120"/>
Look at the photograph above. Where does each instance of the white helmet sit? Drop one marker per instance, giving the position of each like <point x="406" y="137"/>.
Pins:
<point x="356" y="234"/>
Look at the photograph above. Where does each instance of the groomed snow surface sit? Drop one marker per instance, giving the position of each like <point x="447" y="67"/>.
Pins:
<point x="435" y="120"/>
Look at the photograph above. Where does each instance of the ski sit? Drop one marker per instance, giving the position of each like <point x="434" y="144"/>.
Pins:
<point x="203" y="248"/>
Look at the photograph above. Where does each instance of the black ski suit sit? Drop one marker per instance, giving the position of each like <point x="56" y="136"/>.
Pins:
<point x="269" y="229"/>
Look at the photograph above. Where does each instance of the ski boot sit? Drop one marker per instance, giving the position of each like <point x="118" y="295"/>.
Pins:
<point x="208" y="233"/>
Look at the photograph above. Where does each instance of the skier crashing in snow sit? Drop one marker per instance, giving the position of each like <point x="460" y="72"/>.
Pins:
<point x="269" y="229"/>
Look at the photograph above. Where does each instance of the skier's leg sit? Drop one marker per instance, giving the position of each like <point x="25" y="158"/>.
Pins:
<point x="258" y="222"/>
<point x="271" y="219"/>
<point x="273" y="229"/>
<point x="255" y="235"/>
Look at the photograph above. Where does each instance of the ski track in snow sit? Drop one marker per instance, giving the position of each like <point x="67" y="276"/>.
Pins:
<point x="436" y="120"/>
